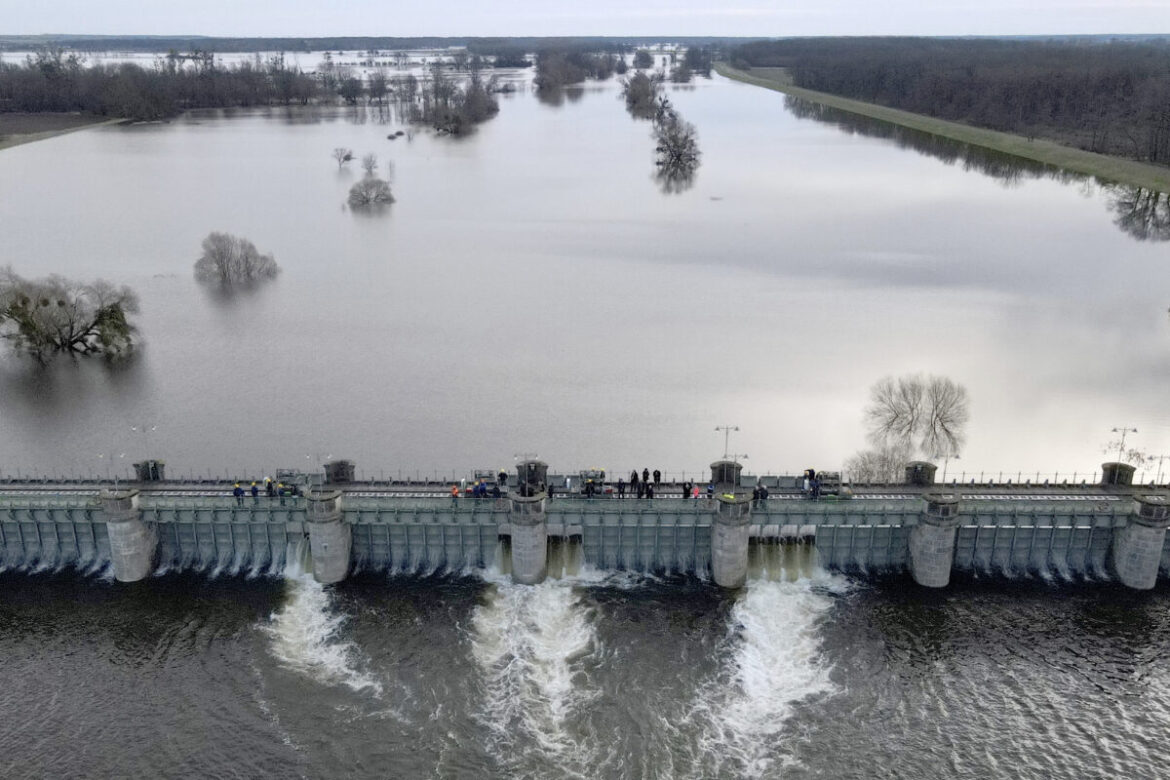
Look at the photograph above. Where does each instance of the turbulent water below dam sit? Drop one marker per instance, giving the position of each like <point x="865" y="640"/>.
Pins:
<point x="596" y="674"/>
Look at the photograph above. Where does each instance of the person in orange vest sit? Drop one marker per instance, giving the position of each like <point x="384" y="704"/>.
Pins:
<point x="454" y="494"/>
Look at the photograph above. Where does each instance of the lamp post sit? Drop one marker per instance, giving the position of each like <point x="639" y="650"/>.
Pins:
<point x="946" y="459"/>
<point x="145" y="431"/>
<point x="727" y="429"/>
<point x="1158" y="479"/>
<point x="109" y="460"/>
<point x="310" y="458"/>
<point x="1121" y="446"/>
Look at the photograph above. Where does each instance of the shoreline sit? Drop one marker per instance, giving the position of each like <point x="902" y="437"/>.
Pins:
<point x="1110" y="169"/>
<point x="19" y="139"/>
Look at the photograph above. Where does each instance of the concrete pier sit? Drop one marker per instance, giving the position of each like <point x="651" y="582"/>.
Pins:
<point x="1115" y="473"/>
<point x="133" y="543"/>
<point x="994" y="530"/>
<point x="730" y="526"/>
<point x="1137" y="548"/>
<point x="330" y="540"/>
<point x="932" y="541"/>
<point x="528" y="520"/>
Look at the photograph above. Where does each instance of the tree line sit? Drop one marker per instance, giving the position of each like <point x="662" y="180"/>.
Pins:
<point x="53" y="80"/>
<point x="154" y="43"/>
<point x="562" y="67"/>
<point x="1107" y="97"/>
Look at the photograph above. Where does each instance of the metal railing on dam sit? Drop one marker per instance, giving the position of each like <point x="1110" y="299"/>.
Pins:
<point x="1107" y="533"/>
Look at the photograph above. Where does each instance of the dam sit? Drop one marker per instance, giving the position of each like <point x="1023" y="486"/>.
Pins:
<point x="1113" y="531"/>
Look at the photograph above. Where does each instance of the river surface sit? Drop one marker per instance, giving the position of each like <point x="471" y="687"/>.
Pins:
<point x="535" y="289"/>
<point x="464" y="675"/>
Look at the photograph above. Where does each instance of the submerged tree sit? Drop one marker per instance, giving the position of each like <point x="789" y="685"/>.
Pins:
<point x="926" y="414"/>
<point x="639" y="91"/>
<point x="370" y="163"/>
<point x="677" y="149"/>
<point x="43" y="317"/>
<point x="342" y="156"/>
<point x="229" y="259"/>
<point x="370" y="191"/>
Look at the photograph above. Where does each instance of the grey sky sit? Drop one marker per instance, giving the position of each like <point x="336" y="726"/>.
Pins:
<point x="762" y="18"/>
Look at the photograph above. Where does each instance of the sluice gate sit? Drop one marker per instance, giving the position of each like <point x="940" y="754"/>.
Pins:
<point x="137" y="533"/>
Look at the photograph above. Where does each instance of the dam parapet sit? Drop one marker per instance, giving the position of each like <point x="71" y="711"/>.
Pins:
<point x="1100" y="532"/>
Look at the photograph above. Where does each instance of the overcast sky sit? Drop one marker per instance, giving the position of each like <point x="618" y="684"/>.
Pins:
<point x="313" y="18"/>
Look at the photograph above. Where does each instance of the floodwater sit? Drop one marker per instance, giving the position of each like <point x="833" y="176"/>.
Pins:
<point x="601" y="675"/>
<point x="535" y="289"/>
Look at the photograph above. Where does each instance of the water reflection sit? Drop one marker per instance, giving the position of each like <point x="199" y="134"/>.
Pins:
<point x="1140" y="212"/>
<point x="62" y="387"/>
<point x="224" y="295"/>
<point x="557" y="96"/>
<point x="675" y="179"/>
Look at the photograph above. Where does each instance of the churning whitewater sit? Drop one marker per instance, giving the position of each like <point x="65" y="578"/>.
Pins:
<point x="305" y="631"/>
<point x="528" y="642"/>
<point x="772" y="660"/>
<point x="538" y="700"/>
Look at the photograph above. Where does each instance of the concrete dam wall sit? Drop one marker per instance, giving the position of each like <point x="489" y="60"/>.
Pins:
<point x="1106" y="535"/>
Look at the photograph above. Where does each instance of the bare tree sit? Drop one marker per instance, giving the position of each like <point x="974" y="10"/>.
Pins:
<point x="924" y="413"/>
<point x="342" y="155"/>
<point x="228" y="259"/>
<point x="370" y="191"/>
<point x="677" y="148"/>
<point x="370" y="163"/>
<point x="378" y="87"/>
<point x="882" y="465"/>
<point x="42" y="317"/>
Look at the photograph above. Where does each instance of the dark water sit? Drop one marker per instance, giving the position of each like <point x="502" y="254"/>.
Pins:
<point x="534" y="290"/>
<point x="598" y="676"/>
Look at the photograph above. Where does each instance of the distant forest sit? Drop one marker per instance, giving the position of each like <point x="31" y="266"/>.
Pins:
<point x="56" y="81"/>
<point x="152" y="43"/>
<point x="1109" y="97"/>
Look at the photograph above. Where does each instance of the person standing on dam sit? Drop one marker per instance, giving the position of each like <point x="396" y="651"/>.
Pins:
<point x="621" y="486"/>
<point x="238" y="492"/>
<point x="634" y="482"/>
<point x="645" y="475"/>
<point x="657" y="478"/>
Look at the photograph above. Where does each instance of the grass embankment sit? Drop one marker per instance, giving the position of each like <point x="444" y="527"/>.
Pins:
<point x="22" y="128"/>
<point x="1114" y="169"/>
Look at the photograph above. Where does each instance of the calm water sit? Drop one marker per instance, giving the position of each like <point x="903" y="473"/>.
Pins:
<point x="601" y="676"/>
<point x="534" y="290"/>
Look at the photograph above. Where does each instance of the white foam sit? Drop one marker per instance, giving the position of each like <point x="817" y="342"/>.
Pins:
<point x="773" y="661"/>
<point x="527" y="639"/>
<point x="304" y="633"/>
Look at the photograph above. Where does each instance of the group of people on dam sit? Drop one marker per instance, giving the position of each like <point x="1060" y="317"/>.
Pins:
<point x="272" y="489"/>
